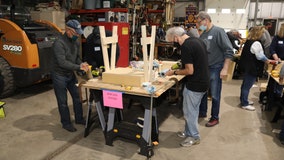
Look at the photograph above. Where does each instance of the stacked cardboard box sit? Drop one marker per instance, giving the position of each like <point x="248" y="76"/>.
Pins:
<point x="56" y="17"/>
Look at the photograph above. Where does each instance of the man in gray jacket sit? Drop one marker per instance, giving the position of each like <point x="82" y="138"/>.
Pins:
<point x="220" y="53"/>
<point x="66" y="50"/>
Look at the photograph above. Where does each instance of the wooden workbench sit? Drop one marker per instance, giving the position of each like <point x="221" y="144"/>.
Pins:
<point x="269" y="92"/>
<point x="113" y="128"/>
<point x="162" y="84"/>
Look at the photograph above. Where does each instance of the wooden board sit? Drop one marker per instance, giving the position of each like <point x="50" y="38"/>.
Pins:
<point x="123" y="76"/>
<point x="161" y="85"/>
<point x="128" y="76"/>
<point x="231" y="70"/>
<point x="56" y="17"/>
<point x="262" y="87"/>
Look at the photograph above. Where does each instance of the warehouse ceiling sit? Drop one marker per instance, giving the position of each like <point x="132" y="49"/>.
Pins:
<point x="231" y="0"/>
<point x="267" y="0"/>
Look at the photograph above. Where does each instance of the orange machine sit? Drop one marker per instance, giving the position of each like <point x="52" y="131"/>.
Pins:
<point x="25" y="53"/>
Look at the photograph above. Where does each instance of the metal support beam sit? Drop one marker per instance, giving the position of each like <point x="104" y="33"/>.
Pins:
<point x="255" y="12"/>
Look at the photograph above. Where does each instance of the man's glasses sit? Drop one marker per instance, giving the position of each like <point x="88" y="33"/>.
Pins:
<point x="198" y="22"/>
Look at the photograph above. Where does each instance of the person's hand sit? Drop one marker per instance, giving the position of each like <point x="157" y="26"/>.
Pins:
<point x="273" y="62"/>
<point x="170" y="73"/>
<point x="84" y="66"/>
<point x="223" y="73"/>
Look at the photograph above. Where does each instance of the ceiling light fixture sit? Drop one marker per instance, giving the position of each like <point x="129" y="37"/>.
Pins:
<point x="226" y="11"/>
<point x="211" y="10"/>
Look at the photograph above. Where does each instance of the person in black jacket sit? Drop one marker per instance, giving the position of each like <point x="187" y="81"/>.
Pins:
<point x="93" y="49"/>
<point x="251" y="63"/>
<point x="66" y="60"/>
<point x="277" y="52"/>
<point x="94" y="56"/>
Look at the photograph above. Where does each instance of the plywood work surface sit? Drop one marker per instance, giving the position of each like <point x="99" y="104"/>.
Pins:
<point x="162" y="84"/>
<point x="123" y="76"/>
<point x="128" y="76"/>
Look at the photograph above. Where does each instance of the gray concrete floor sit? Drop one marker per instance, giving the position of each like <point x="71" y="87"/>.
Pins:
<point x="31" y="131"/>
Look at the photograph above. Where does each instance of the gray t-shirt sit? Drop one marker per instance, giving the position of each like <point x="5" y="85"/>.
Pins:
<point x="266" y="41"/>
<point x="218" y="45"/>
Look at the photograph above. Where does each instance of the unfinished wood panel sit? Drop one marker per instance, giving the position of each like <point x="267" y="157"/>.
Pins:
<point x="128" y="76"/>
<point x="124" y="76"/>
<point x="231" y="70"/>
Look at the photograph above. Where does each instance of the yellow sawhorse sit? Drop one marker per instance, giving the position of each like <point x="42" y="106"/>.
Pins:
<point x="2" y="112"/>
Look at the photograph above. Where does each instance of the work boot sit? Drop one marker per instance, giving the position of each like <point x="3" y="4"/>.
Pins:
<point x="70" y="128"/>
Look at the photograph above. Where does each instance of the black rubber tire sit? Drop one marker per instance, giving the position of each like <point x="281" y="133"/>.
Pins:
<point x="8" y="79"/>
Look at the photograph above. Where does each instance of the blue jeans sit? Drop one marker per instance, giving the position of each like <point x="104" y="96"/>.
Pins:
<point x="248" y="82"/>
<point x="191" y="103"/>
<point x="215" y="89"/>
<point x="61" y="84"/>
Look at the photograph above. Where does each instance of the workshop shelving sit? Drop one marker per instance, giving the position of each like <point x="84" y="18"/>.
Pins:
<point x="97" y="17"/>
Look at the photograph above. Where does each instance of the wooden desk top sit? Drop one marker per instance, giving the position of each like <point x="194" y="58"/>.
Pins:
<point x="162" y="84"/>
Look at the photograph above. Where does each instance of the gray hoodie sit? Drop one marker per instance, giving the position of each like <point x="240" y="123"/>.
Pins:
<point x="66" y="55"/>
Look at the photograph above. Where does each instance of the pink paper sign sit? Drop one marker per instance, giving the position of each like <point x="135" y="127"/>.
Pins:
<point x="112" y="99"/>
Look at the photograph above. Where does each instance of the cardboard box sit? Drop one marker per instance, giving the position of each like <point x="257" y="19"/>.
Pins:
<point x="77" y="4"/>
<point x="262" y="87"/>
<point x="231" y="70"/>
<point x="56" y="17"/>
<point x="124" y="76"/>
<point x="106" y="4"/>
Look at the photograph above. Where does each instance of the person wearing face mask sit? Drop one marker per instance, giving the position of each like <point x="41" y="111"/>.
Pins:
<point x="194" y="67"/>
<point x="220" y="53"/>
<point x="66" y="60"/>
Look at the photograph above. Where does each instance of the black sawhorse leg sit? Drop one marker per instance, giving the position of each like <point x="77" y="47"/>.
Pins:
<point x="95" y="96"/>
